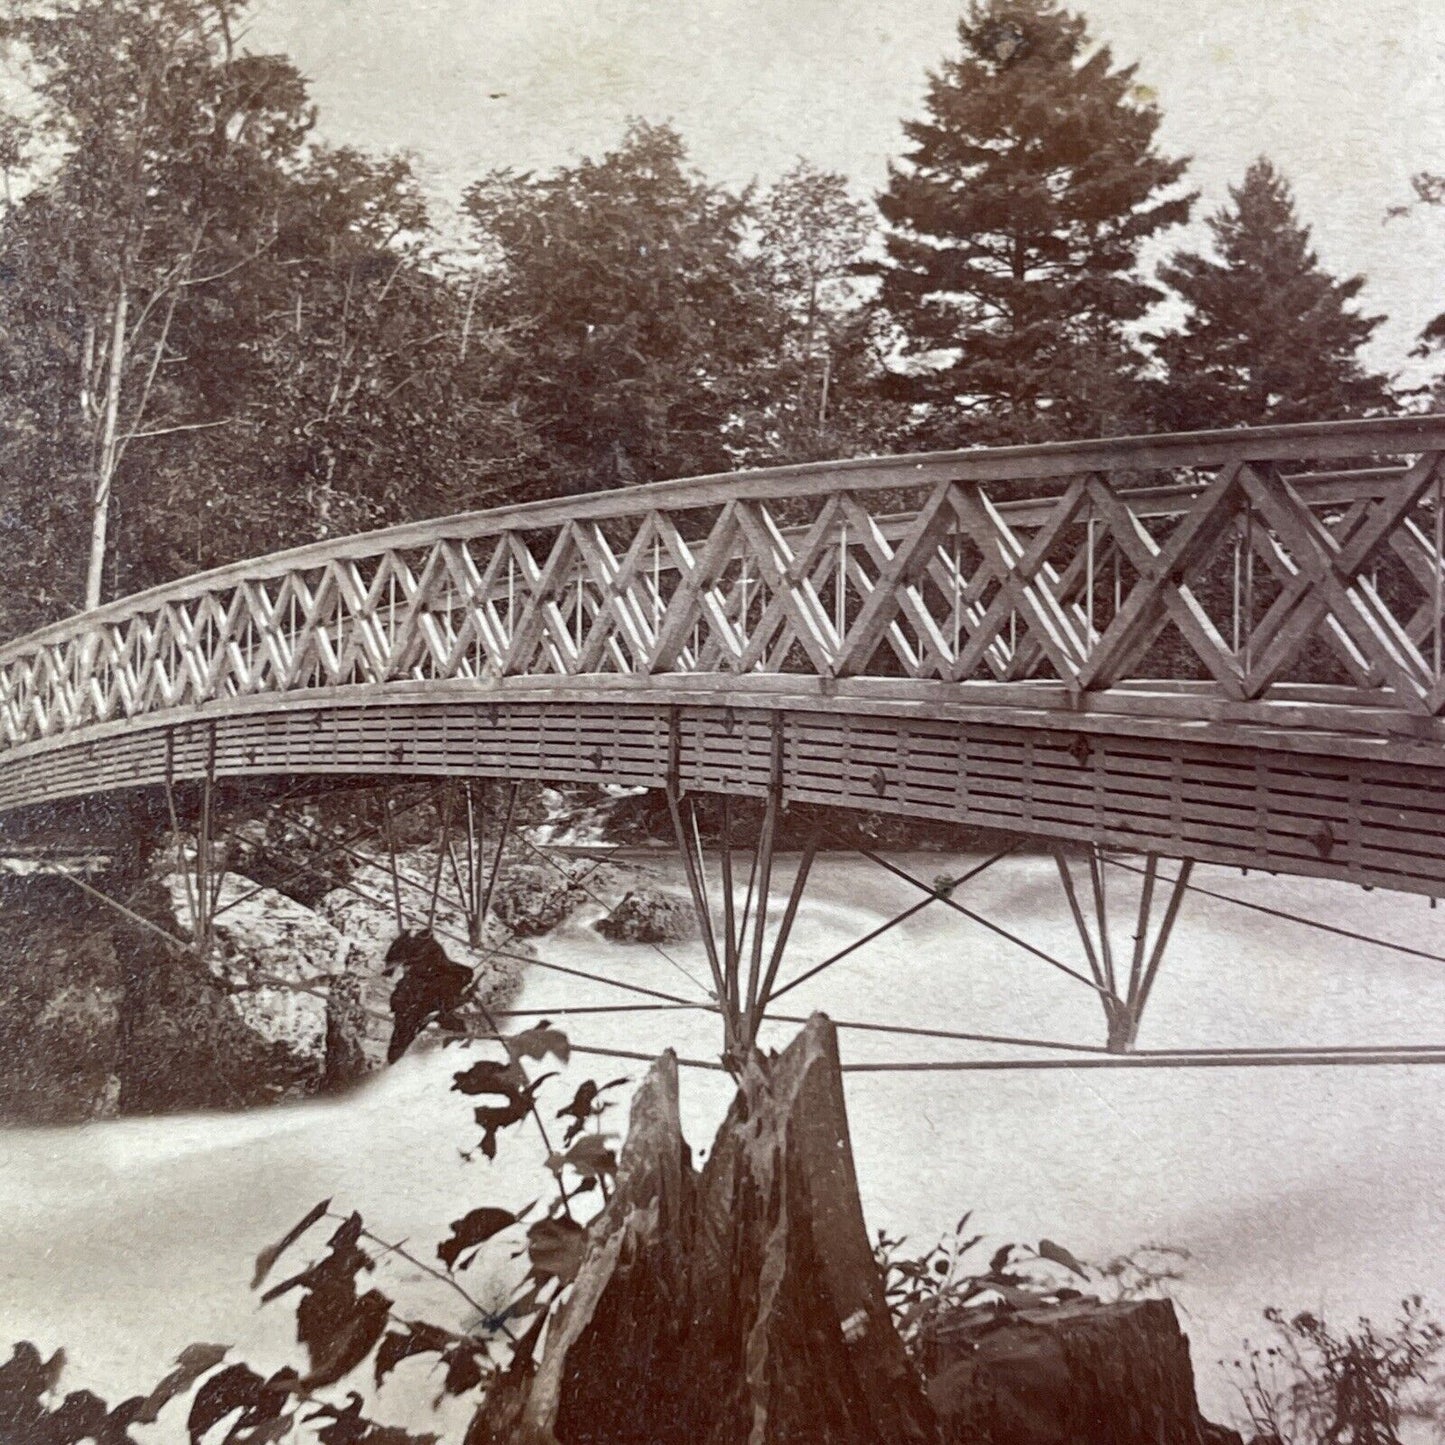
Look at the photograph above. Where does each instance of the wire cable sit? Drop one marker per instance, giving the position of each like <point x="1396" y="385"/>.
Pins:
<point x="934" y="896"/>
<point x="983" y="922"/>
<point x="692" y="978"/>
<point x="1286" y="917"/>
<point x="1324" y="1058"/>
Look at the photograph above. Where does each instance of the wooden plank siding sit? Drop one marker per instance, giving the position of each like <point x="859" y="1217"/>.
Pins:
<point x="1374" y="822"/>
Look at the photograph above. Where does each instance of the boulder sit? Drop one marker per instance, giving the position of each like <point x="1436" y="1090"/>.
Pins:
<point x="646" y="915"/>
<point x="62" y="991"/>
<point x="532" y="899"/>
<point x="277" y="959"/>
<point x="1082" y="1373"/>
<point x="99" y="1016"/>
<point x="185" y="1044"/>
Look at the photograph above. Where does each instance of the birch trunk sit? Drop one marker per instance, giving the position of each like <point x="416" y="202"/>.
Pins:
<point x="106" y="458"/>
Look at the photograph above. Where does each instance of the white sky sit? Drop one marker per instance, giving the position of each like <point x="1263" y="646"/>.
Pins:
<point x="1346" y="96"/>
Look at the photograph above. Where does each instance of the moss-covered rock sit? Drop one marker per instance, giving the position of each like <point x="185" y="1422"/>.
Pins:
<point x="99" y="1016"/>
<point x="62" y="992"/>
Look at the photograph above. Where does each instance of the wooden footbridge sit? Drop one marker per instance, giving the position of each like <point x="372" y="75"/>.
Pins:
<point x="1221" y="646"/>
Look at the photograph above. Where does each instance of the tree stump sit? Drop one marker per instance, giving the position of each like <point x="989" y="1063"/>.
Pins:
<point x="739" y="1304"/>
<point x="1078" y="1374"/>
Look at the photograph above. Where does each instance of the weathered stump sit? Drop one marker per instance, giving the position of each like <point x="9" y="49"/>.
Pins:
<point x="741" y="1304"/>
<point x="1077" y="1374"/>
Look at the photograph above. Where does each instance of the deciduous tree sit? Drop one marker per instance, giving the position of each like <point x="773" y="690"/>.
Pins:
<point x="823" y="399"/>
<point x="165" y="143"/>
<point x="638" y="322"/>
<point x="217" y="337"/>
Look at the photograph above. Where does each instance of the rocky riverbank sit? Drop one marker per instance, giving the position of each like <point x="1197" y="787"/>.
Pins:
<point x="99" y="1015"/>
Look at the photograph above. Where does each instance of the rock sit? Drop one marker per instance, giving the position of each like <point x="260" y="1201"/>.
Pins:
<point x="739" y="1304"/>
<point x="277" y="959"/>
<point x="531" y="899"/>
<point x="646" y="915"/>
<point x="62" y="991"/>
<point x="294" y="855"/>
<point x="348" y="1029"/>
<point x="185" y="1044"/>
<point x="99" y="1015"/>
<point x="1082" y="1373"/>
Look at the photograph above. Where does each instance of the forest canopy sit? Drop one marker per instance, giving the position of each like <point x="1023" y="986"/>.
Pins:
<point x="220" y="334"/>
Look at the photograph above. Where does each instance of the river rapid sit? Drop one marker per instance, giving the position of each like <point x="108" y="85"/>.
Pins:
<point x="1308" y="1187"/>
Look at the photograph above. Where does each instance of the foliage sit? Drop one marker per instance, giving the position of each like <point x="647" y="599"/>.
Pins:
<point x="1429" y="188"/>
<point x="1318" y="1385"/>
<point x="1015" y="224"/>
<point x="926" y="1290"/>
<point x="1149" y="1272"/>
<point x="345" y="1319"/>
<point x="216" y="335"/>
<point x="638" y="320"/>
<point x="379" y="390"/>
<point x="1269" y="335"/>
<point x="823" y="399"/>
<point x="166" y="147"/>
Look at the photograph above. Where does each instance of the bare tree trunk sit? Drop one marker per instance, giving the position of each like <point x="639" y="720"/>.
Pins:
<point x="106" y="460"/>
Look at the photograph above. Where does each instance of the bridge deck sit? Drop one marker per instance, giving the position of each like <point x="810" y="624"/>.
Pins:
<point x="1209" y="646"/>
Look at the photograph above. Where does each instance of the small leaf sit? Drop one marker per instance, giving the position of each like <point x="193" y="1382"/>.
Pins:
<point x="472" y="1230"/>
<point x="418" y="1338"/>
<point x="556" y="1248"/>
<point x="1059" y="1255"/>
<point x="582" y="1101"/>
<point x="339" y="1352"/>
<point x="464" y="1369"/>
<point x="191" y="1364"/>
<point x="237" y="1388"/>
<point x="488" y="1076"/>
<point x="1000" y="1258"/>
<point x="591" y="1157"/>
<point x="268" y="1256"/>
<point x="346" y="1234"/>
<point x="538" y="1042"/>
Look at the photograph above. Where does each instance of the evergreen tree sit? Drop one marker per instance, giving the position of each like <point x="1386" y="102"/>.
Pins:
<point x="1270" y="336"/>
<point x="1015" y="223"/>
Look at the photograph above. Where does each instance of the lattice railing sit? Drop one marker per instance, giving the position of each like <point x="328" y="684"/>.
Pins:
<point x="1225" y="565"/>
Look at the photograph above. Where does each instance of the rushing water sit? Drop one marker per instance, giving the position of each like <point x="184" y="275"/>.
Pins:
<point x="1304" y="1187"/>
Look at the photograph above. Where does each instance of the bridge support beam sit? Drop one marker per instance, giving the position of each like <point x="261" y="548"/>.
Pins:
<point x="202" y="874"/>
<point x="743" y="962"/>
<point x="1123" y="997"/>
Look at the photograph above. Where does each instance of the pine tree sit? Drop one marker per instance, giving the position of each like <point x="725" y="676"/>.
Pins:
<point x="1270" y="336"/>
<point x="1015" y="223"/>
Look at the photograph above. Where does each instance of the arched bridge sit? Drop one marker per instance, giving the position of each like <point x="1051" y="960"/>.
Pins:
<point x="1223" y="646"/>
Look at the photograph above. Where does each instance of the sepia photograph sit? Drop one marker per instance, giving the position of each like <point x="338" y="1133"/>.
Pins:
<point x="722" y="722"/>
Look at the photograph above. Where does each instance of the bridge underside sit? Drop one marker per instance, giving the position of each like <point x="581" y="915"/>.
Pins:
<point x="1328" y="807"/>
